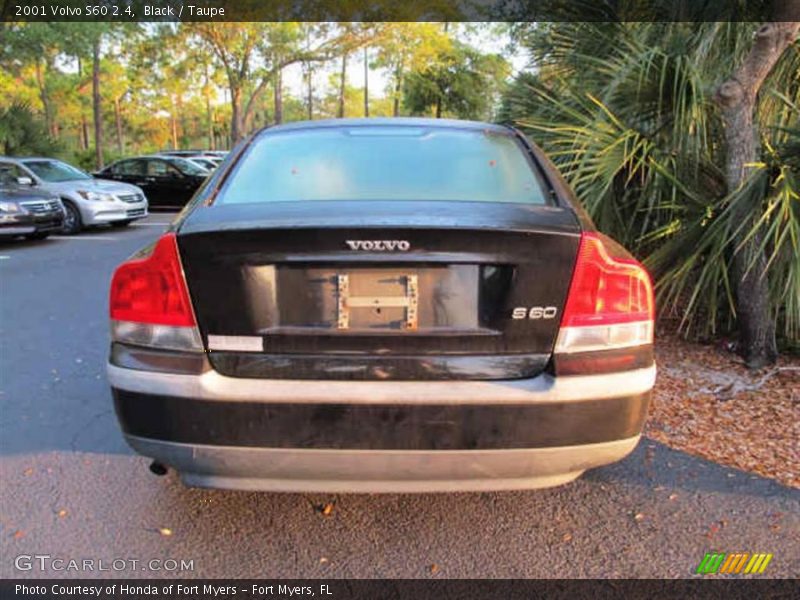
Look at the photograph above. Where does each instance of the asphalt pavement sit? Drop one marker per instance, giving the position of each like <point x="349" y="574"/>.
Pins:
<point x="71" y="489"/>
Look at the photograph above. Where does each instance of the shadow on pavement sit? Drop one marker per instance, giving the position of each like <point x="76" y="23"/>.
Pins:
<point x="654" y="464"/>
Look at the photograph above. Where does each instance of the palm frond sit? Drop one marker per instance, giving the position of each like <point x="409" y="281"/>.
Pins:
<point x="626" y="111"/>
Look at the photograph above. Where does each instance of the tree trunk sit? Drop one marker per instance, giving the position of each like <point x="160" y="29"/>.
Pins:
<point x="252" y="106"/>
<point x="180" y="118"/>
<point x="173" y="125"/>
<point x="118" y="122"/>
<point x="84" y="133"/>
<point x="96" y="107"/>
<point x="366" y="82"/>
<point x="439" y="106"/>
<point x="310" y="99"/>
<point x="398" y="90"/>
<point x="210" y="133"/>
<point x="342" y="86"/>
<point x="44" y="96"/>
<point x="237" y="124"/>
<point x="210" y="124"/>
<point x="737" y="99"/>
<point x="209" y="111"/>
<point x="278" y="96"/>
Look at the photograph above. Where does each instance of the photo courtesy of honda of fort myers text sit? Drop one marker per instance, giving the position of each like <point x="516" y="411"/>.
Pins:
<point x="134" y="589"/>
<point x="357" y="300"/>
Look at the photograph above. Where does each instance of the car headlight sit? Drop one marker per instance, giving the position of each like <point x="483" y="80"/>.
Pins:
<point x="9" y="207"/>
<point x="96" y="196"/>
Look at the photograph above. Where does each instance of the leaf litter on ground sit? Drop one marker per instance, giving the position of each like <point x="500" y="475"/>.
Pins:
<point x="707" y="403"/>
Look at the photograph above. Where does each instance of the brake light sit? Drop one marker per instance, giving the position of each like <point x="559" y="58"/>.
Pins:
<point x="610" y="304"/>
<point x="149" y="301"/>
<point x="606" y="289"/>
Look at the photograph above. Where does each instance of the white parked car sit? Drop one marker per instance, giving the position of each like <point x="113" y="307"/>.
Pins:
<point x="87" y="201"/>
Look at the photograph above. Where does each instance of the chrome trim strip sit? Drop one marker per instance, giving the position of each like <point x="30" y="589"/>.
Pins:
<point x="543" y="388"/>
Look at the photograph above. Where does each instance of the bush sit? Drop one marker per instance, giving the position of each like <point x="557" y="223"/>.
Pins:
<point x="23" y="134"/>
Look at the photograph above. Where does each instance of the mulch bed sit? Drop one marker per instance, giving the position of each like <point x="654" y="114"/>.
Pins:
<point x="707" y="403"/>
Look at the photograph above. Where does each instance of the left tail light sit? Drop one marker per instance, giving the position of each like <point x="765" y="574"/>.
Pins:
<point x="149" y="301"/>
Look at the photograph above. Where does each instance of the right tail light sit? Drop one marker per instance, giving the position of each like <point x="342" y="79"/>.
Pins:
<point x="608" y="320"/>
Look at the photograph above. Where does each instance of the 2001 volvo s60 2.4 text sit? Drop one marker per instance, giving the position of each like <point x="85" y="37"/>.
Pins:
<point x="382" y="305"/>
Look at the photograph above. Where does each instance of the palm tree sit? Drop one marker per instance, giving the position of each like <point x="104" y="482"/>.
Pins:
<point x="22" y="132"/>
<point x="628" y="111"/>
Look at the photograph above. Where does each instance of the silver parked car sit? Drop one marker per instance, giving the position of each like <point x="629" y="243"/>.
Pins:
<point x="87" y="201"/>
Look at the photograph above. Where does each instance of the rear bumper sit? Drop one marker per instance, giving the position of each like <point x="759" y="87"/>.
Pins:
<point x="375" y="436"/>
<point x="379" y="471"/>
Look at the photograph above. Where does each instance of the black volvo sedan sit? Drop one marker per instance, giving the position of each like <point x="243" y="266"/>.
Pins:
<point x="382" y="306"/>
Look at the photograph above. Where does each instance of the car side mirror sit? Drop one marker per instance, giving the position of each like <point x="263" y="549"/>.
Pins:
<point x="25" y="181"/>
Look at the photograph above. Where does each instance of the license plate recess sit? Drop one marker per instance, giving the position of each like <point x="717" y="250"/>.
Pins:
<point x="377" y="299"/>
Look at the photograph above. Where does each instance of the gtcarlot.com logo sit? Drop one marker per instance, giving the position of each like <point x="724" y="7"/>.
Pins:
<point x="46" y="562"/>
<point x="737" y="563"/>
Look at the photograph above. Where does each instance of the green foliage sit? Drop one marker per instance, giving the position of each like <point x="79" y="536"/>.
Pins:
<point x="408" y="47"/>
<point x="22" y="134"/>
<point x="208" y="83"/>
<point x="627" y="112"/>
<point x="462" y="82"/>
<point x="85" y="158"/>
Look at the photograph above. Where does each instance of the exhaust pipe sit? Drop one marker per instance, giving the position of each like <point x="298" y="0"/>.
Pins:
<point x="156" y="468"/>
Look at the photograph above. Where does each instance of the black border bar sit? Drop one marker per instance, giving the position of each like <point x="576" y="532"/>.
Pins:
<point x="122" y="11"/>
<point x="418" y="589"/>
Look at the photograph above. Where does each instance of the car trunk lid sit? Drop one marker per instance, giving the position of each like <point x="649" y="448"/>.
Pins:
<point x="405" y="290"/>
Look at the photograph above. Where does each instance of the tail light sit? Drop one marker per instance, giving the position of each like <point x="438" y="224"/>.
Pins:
<point x="150" y="303"/>
<point x="607" y="324"/>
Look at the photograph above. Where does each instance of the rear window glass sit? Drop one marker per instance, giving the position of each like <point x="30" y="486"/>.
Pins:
<point x="384" y="163"/>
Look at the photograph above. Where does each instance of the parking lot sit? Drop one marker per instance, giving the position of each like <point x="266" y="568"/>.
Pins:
<point x="71" y="488"/>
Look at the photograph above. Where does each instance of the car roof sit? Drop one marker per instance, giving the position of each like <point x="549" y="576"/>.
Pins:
<point x="389" y="122"/>
<point x="140" y="156"/>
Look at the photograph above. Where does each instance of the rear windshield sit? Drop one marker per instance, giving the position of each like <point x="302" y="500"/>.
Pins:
<point x="384" y="163"/>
